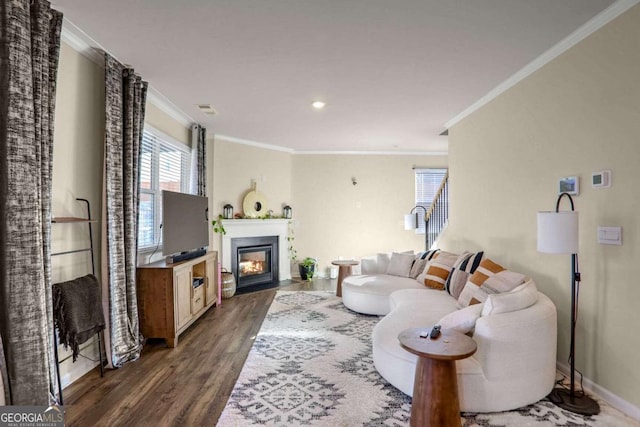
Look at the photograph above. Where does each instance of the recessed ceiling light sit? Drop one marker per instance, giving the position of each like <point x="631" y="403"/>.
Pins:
<point x="318" y="105"/>
<point x="207" y="109"/>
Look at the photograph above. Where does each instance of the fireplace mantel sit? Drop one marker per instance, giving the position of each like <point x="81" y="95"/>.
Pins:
<point x="257" y="228"/>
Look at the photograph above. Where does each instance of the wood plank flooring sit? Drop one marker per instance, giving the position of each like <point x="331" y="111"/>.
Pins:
<point x="185" y="386"/>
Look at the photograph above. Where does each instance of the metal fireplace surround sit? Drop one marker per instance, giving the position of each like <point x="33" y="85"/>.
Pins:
<point x="261" y="251"/>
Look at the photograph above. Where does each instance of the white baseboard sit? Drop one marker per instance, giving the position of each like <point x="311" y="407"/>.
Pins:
<point x="616" y="401"/>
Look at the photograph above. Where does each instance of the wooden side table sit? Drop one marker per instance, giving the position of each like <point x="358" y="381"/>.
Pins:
<point x="435" y="388"/>
<point x="344" y="271"/>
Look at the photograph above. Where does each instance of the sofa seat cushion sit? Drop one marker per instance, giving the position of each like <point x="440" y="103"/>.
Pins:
<point x="423" y="302"/>
<point x="369" y="293"/>
<point x="415" y="308"/>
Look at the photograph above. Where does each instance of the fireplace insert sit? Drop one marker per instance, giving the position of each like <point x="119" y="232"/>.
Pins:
<point x="254" y="260"/>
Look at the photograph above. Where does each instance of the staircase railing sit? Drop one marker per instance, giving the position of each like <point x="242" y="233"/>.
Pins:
<point x="438" y="213"/>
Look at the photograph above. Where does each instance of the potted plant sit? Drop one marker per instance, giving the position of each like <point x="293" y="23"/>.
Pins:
<point x="307" y="268"/>
<point x="217" y="225"/>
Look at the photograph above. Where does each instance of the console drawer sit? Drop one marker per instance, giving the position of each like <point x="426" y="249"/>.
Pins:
<point x="197" y="299"/>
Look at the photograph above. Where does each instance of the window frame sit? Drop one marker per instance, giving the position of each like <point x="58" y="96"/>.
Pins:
<point x="418" y="200"/>
<point x="161" y="139"/>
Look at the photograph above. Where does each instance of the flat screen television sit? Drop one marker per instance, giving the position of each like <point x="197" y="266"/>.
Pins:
<point x="185" y="224"/>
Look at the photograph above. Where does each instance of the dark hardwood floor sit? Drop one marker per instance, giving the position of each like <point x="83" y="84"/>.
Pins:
<point x="185" y="386"/>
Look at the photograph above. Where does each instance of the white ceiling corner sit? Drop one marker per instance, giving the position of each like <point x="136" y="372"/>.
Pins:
<point x="571" y="40"/>
<point x="393" y="74"/>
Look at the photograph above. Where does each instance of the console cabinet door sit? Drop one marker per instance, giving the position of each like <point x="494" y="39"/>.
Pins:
<point x="211" y="282"/>
<point x="183" y="284"/>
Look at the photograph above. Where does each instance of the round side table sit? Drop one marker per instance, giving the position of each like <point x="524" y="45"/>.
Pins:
<point x="435" y="388"/>
<point x="344" y="271"/>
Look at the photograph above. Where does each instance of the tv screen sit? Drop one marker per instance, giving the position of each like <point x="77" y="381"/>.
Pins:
<point x="185" y="226"/>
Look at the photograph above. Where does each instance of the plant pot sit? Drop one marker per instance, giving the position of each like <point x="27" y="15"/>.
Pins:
<point x="306" y="273"/>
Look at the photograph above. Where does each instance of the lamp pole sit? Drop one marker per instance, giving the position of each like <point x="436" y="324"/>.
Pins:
<point x="571" y="401"/>
<point x="426" y="235"/>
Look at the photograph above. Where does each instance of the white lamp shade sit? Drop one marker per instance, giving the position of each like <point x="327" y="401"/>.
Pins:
<point x="558" y="232"/>
<point x="410" y="221"/>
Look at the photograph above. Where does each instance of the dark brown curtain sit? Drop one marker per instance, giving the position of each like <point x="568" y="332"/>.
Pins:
<point x="29" y="51"/>
<point x="126" y="95"/>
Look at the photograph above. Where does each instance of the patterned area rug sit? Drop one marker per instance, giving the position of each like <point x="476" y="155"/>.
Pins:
<point x="311" y="364"/>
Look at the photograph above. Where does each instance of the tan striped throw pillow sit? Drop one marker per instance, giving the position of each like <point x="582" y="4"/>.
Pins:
<point x="438" y="269"/>
<point x="489" y="278"/>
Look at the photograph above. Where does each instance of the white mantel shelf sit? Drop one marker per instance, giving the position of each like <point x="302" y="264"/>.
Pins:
<point x="237" y="228"/>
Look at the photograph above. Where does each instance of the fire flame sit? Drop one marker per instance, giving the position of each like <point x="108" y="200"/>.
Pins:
<point x="252" y="267"/>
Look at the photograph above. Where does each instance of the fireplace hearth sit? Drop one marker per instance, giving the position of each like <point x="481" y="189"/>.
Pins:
<point x="254" y="261"/>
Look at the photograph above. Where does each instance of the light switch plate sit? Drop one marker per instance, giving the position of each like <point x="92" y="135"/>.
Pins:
<point x="610" y="235"/>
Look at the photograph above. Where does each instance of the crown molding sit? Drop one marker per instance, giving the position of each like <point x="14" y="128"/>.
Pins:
<point x="254" y="143"/>
<point x="164" y="104"/>
<point x="82" y="43"/>
<point x="321" y="153"/>
<point x="372" y="153"/>
<point x="590" y="27"/>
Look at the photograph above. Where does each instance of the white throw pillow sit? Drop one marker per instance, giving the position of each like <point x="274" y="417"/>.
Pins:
<point x="400" y="264"/>
<point x="520" y="298"/>
<point x="463" y="320"/>
<point x="369" y="265"/>
<point x="383" y="262"/>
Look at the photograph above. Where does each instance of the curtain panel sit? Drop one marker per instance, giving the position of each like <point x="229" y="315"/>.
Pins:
<point x="199" y="160"/>
<point x="29" y="52"/>
<point x="125" y="107"/>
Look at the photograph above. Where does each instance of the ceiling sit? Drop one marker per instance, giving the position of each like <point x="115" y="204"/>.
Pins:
<point x="392" y="73"/>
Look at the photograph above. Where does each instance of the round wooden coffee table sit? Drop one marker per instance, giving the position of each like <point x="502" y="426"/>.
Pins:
<point x="435" y="388"/>
<point x="344" y="271"/>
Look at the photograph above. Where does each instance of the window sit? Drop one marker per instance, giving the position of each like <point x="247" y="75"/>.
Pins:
<point x="427" y="183"/>
<point x="164" y="165"/>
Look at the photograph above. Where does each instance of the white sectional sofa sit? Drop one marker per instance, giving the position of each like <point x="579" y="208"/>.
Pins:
<point x="368" y="292"/>
<point x="515" y="364"/>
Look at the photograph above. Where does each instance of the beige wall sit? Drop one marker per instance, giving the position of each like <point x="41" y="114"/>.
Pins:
<point x="77" y="172"/>
<point x="577" y="115"/>
<point x="235" y="166"/>
<point x="165" y="123"/>
<point x="334" y="218"/>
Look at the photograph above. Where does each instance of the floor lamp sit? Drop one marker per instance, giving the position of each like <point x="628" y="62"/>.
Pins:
<point x="411" y="223"/>
<point x="558" y="234"/>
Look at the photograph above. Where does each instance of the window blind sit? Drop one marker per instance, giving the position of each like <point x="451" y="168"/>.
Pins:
<point x="427" y="182"/>
<point x="164" y="165"/>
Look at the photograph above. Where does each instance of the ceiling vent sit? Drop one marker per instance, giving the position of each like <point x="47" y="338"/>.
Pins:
<point x="207" y="109"/>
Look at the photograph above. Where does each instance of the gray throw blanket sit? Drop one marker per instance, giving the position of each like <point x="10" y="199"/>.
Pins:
<point x="77" y="311"/>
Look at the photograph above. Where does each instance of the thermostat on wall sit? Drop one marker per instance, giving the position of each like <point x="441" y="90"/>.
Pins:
<point x="569" y="184"/>
<point x="601" y="179"/>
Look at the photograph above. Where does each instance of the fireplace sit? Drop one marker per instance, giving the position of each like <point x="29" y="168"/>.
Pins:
<point x="240" y="228"/>
<point x="254" y="260"/>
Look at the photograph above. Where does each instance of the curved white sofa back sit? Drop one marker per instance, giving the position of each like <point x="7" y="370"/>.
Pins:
<point x="514" y="366"/>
